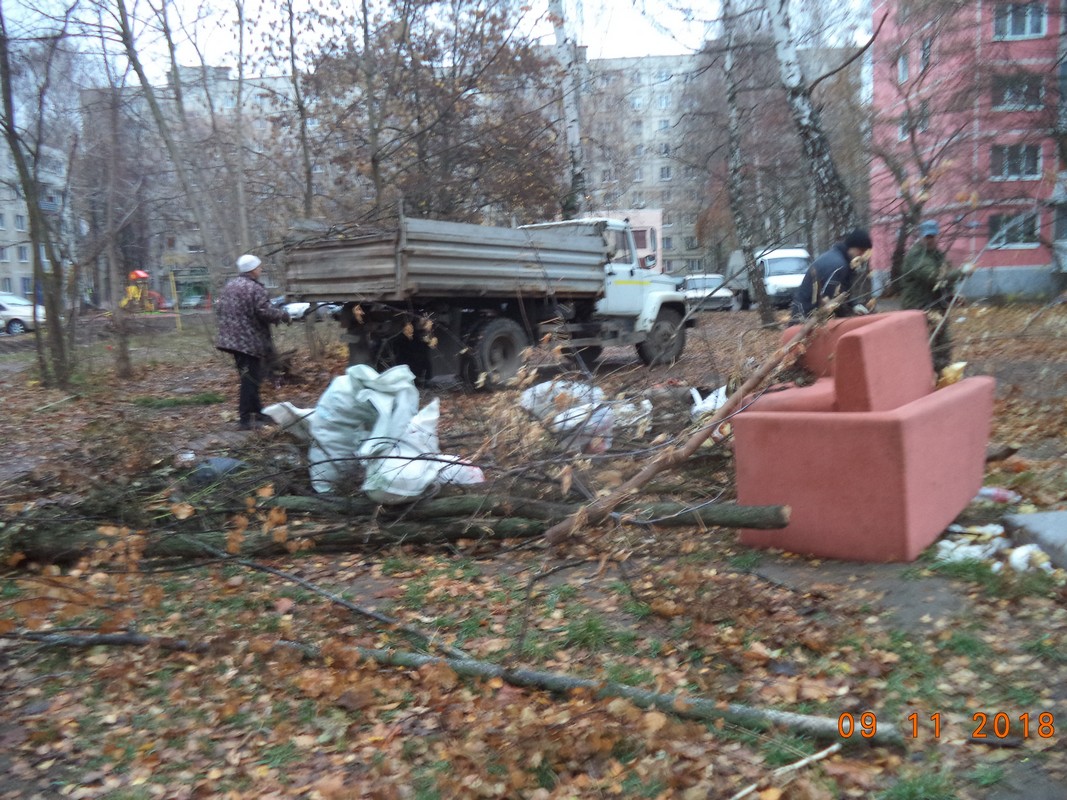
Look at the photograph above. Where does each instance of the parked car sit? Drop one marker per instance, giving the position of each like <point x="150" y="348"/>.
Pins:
<point x="16" y="313"/>
<point x="193" y="301"/>
<point x="301" y="310"/>
<point x="705" y="292"/>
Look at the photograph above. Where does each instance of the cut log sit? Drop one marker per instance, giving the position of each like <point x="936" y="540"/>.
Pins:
<point x="432" y="522"/>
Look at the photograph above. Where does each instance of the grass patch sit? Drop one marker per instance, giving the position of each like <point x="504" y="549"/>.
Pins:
<point x="202" y="399"/>
<point x="589" y="633"/>
<point x="1005" y="583"/>
<point x="965" y="644"/>
<point x="746" y="562"/>
<point x="1043" y="647"/>
<point x="986" y="775"/>
<point x="921" y="787"/>
<point x="783" y="750"/>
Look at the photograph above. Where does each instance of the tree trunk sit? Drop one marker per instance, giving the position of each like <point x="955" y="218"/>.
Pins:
<point x="834" y="195"/>
<point x="736" y="180"/>
<point x="567" y="56"/>
<point x="433" y="522"/>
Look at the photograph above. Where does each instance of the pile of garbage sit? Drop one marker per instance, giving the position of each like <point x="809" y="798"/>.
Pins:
<point x="990" y="543"/>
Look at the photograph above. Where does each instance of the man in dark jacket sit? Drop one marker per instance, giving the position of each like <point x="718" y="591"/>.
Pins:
<point x="831" y="274"/>
<point x="928" y="283"/>
<point x="244" y="316"/>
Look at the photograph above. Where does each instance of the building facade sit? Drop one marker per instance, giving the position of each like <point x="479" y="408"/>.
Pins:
<point x="967" y="129"/>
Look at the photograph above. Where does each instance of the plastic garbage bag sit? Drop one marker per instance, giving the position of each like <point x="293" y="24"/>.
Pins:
<point x="356" y="406"/>
<point x="706" y="405"/>
<point x="1029" y="558"/>
<point x="400" y="469"/>
<point x="292" y="419"/>
<point x="548" y="399"/>
<point x="586" y="428"/>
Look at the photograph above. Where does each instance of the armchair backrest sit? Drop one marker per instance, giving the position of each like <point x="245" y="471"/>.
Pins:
<point x="884" y="364"/>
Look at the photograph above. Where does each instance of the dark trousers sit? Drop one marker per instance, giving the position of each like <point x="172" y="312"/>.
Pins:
<point x="250" y="370"/>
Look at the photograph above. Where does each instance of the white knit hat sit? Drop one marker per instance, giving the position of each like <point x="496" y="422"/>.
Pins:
<point x="247" y="263"/>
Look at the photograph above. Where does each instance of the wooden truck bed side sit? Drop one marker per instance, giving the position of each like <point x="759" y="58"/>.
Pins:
<point x="432" y="258"/>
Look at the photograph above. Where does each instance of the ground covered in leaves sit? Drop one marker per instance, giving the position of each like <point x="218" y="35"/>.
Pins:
<point x="263" y="673"/>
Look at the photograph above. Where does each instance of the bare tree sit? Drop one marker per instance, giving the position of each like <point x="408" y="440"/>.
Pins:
<point x="37" y="132"/>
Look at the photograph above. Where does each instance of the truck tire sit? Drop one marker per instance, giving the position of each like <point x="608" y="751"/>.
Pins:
<point x="496" y="353"/>
<point x="665" y="341"/>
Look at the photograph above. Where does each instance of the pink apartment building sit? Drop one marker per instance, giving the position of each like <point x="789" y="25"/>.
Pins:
<point x="967" y="121"/>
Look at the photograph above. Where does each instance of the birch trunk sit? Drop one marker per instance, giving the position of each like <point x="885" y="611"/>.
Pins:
<point x="834" y="195"/>
<point x="736" y="179"/>
<point x="567" y="56"/>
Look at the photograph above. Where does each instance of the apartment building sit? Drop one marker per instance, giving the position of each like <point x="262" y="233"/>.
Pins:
<point x="635" y="116"/>
<point x="16" y="255"/>
<point x="967" y="124"/>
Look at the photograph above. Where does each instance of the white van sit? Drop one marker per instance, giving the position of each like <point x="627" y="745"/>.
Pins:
<point x="782" y="268"/>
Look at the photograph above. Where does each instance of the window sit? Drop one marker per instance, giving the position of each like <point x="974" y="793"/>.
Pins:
<point x="1061" y="222"/>
<point x="3" y="221"/>
<point x="663" y="76"/>
<point x="902" y="68"/>
<point x="194" y="248"/>
<point x="20" y="222"/>
<point x="639" y="150"/>
<point x="171" y="243"/>
<point x="668" y="242"/>
<point x="606" y="176"/>
<point x="664" y="102"/>
<point x="1014" y="92"/>
<point x="665" y="196"/>
<point x="24" y="253"/>
<point x="4" y="256"/>
<point x="690" y="243"/>
<point x="639" y="174"/>
<point x="1019" y="20"/>
<point x="27" y="287"/>
<point x="639" y="199"/>
<point x="1013" y="229"/>
<point x="664" y="149"/>
<point x="43" y="249"/>
<point x="1015" y="162"/>
<point x="636" y="103"/>
<point x="914" y="122"/>
<point x="636" y="127"/>
<point x="664" y="173"/>
<point x="664" y="124"/>
<point x="5" y="285"/>
<point x="925" y="54"/>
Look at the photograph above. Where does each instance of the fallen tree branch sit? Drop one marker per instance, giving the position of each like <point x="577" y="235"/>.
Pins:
<point x="680" y="705"/>
<point x="797" y="765"/>
<point x="599" y="509"/>
<point x="48" y="543"/>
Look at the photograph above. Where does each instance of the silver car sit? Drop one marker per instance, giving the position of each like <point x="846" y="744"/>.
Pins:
<point x="704" y="292"/>
<point x="16" y="313"/>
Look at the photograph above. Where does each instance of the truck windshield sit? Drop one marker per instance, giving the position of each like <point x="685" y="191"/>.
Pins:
<point x="786" y="266"/>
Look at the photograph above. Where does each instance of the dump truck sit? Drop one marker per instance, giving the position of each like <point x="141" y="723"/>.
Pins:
<point x="467" y="300"/>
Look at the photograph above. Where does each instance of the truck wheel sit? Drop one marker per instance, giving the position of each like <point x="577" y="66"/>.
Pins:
<point x="665" y="341"/>
<point x="496" y="353"/>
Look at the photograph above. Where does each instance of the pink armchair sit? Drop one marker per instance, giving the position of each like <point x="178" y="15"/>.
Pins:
<point x="872" y="461"/>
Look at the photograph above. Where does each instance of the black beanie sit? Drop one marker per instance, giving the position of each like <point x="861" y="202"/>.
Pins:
<point x="859" y="239"/>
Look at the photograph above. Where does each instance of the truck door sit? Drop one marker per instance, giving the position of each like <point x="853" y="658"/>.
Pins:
<point x="625" y="284"/>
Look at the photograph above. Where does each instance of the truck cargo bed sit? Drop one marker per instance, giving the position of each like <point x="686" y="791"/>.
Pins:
<point x="448" y="259"/>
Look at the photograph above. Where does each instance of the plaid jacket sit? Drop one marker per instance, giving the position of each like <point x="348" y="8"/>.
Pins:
<point x="244" y="315"/>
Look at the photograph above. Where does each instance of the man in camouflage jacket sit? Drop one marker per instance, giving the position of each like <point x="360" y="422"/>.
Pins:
<point x="244" y="315"/>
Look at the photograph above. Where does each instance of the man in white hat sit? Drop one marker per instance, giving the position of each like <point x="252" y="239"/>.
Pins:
<point x="244" y="315"/>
